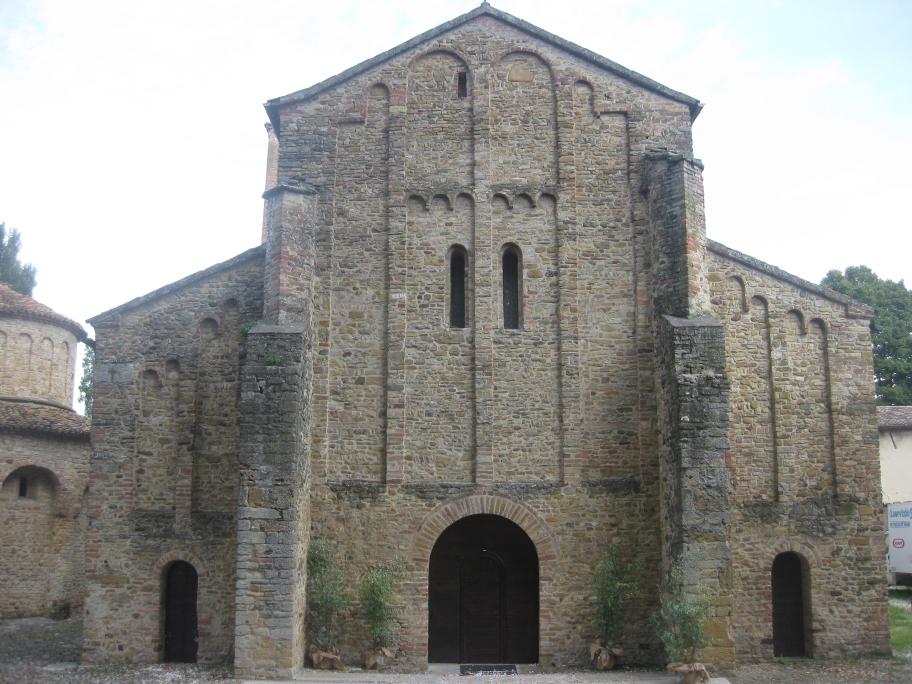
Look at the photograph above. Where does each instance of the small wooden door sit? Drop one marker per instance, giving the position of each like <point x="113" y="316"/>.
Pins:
<point x="180" y="613"/>
<point x="788" y="606"/>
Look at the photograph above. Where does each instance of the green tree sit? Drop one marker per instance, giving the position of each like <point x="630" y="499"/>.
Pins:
<point x="891" y="329"/>
<point x="377" y="594"/>
<point x="680" y="620"/>
<point x="87" y="383"/>
<point x="325" y="595"/>
<point x="19" y="276"/>
<point x="614" y="584"/>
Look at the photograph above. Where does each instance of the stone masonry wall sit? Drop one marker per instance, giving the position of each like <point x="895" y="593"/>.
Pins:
<point x="164" y="470"/>
<point x="41" y="535"/>
<point x="411" y="415"/>
<point x="804" y="460"/>
<point x="694" y="417"/>
<point x="570" y="527"/>
<point x="320" y="144"/>
<point x="273" y="503"/>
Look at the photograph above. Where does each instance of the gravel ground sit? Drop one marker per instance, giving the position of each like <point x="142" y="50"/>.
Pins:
<point x="44" y="651"/>
<point x="896" y="670"/>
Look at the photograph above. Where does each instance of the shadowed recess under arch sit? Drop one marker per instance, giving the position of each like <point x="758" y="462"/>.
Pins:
<point x="439" y="122"/>
<point x="522" y="90"/>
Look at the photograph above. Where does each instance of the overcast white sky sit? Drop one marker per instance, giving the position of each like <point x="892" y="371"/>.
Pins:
<point x="132" y="148"/>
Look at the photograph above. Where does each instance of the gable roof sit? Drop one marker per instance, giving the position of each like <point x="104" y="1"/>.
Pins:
<point x="854" y="308"/>
<point x="250" y="254"/>
<point x="484" y="9"/>
<point x="16" y="305"/>
<point x="894" y="417"/>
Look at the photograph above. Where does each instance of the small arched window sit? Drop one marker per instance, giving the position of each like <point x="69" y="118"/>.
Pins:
<point x="512" y="287"/>
<point x="458" y="270"/>
<point x="462" y="84"/>
<point x="23" y="487"/>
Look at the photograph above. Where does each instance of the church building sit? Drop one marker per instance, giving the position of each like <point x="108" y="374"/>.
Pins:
<point x="485" y="334"/>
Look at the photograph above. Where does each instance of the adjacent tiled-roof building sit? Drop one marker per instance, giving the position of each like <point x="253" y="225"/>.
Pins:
<point x="44" y="449"/>
<point x="895" y="425"/>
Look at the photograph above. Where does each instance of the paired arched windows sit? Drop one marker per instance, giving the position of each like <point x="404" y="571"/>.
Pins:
<point x="511" y="279"/>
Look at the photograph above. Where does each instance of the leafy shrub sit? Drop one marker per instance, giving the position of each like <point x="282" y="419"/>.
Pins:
<point x="614" y="586"/>
<point x="325" y="596"/>
<point x="376" y="594"/>
<point x="680" y="620"/>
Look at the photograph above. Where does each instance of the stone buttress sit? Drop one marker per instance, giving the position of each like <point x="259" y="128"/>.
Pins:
<point x="273" y="505"/>
<point x="693" y="394"/>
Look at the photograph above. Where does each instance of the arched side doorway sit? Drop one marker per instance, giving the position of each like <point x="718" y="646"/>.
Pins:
<point x="483" y="593"/>
<point x="180" y="617"/>
<point x="34" y="537"/>
<point x="790" y="608"/>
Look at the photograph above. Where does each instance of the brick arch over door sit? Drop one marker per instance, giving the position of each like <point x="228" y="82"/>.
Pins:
<point x="435" y="522"/>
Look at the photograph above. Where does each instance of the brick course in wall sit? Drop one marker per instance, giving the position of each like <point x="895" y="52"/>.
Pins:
<point x="650" y="396"/>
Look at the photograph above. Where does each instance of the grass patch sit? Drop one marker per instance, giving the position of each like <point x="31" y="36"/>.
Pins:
<point x="900" y="628"/>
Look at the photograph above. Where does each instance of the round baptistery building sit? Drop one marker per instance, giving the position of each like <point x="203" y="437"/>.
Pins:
<point x="44" y="459"/>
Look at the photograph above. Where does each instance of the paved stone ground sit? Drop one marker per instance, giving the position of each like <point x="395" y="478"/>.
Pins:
<point x="43" y="651"/>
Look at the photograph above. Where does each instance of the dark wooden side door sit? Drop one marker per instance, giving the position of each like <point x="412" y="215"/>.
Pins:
<point x="180" y="613"/>
<point x="788" y="606"/>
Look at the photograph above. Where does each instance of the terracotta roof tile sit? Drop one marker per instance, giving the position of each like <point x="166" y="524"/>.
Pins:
<point x="894" y="417"/>
<point x="31" y="418"/>
<point x="16" y="305"/>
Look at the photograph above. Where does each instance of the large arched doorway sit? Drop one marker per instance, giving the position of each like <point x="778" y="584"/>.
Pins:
<point x="483" y="593"/>
<point x="789" y="606"/>
<point x="181" y="635"/>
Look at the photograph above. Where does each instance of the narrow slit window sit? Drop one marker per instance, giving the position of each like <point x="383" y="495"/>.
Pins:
<point x="23" y="487"/>
<point x="462" y="84"/>
<point x="458" y="288"/>
<point x="512" y="274"/>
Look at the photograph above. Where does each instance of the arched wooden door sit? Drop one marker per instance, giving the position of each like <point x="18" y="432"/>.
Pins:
<point x="483" y="593"/>
<point x="181" y="585"/>
<point x="788" y="606"/>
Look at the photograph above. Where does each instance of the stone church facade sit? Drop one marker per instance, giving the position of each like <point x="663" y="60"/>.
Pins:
<point x="485" y="334"/>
